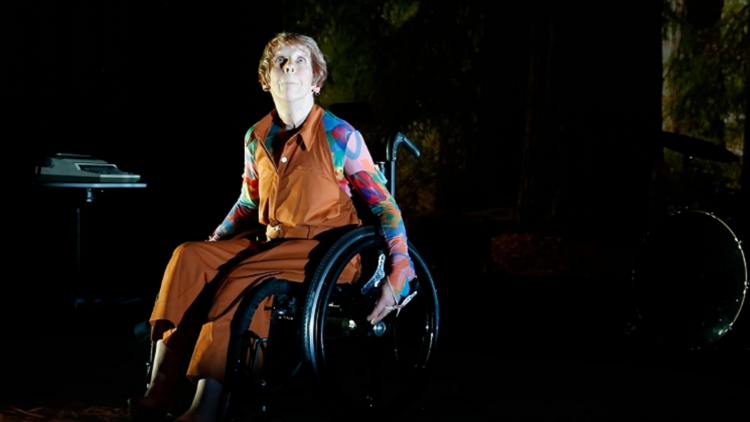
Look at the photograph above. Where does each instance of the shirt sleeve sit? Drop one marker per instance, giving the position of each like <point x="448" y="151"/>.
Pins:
<point x="369" y="182"/>
<point x="244" y="209"/>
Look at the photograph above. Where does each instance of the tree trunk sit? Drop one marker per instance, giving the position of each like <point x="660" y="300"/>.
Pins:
<point x="744" y="221"/>
<point x="540" y="186"/>
<point x="745" y="176"/>
<point x="593" y="119"/>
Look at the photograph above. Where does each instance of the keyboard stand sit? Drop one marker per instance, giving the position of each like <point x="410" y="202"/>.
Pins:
<point x="91" y="190"/>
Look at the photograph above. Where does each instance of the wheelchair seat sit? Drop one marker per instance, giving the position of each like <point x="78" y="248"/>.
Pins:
<point x="320" y="327"/>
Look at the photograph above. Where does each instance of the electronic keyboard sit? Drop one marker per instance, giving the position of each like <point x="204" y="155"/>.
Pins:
<point x="81" y="168"/>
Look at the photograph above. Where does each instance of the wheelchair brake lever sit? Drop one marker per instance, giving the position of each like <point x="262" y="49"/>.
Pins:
<point x="377" y="277"/>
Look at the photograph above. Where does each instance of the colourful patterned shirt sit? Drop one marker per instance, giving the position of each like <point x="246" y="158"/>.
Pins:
<point x="353" y="166"/>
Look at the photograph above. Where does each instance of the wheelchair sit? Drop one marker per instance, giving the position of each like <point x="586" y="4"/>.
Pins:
<point x="319" y="329"/>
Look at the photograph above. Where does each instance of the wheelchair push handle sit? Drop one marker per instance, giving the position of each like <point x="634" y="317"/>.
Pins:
<point x="391" y="148"/>
<point x="391" y="152"/>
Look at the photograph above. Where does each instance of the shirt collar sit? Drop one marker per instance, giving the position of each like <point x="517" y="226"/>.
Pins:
<point x="309" y="128"/>
<point x="306" y="132"/>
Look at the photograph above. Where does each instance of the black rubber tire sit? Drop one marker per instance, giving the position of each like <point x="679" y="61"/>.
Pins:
<point x="360" y="369"/>
<point x="236" y="381"/>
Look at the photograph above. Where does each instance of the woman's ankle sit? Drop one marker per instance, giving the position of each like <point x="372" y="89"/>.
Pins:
<point x="205" y="404"/>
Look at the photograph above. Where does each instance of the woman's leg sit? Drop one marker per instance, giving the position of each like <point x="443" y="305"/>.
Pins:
<point x="205" y="403"/>
<point x="184" y="299"/>
<point x="291" y="261"/>
<point x="165" y="371"/>
<point x="169" y="389"/>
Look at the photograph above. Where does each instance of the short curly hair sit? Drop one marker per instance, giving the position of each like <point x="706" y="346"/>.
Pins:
<point x="320" y="69"/>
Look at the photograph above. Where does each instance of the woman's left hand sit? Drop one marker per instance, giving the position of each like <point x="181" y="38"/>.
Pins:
<point x="384" y="305"/>
<point x="401" y="271"/>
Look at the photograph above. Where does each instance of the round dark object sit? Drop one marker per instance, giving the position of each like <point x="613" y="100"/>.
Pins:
<point x="690" y="280"/>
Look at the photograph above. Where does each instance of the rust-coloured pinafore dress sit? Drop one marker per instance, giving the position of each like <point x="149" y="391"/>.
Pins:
<point x="300" y="200"/>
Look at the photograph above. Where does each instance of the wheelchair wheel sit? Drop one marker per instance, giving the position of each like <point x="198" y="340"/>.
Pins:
<point x="258" y="366"/>
<point x="359" y="365"/>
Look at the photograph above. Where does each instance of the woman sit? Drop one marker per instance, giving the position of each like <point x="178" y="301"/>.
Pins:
<point x="300" y="162"/>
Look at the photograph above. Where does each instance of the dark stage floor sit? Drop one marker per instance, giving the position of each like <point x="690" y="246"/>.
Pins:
<point x="543" y="350"/>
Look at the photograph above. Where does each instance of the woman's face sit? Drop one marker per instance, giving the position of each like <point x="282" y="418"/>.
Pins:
<point x="291" y="74"/>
